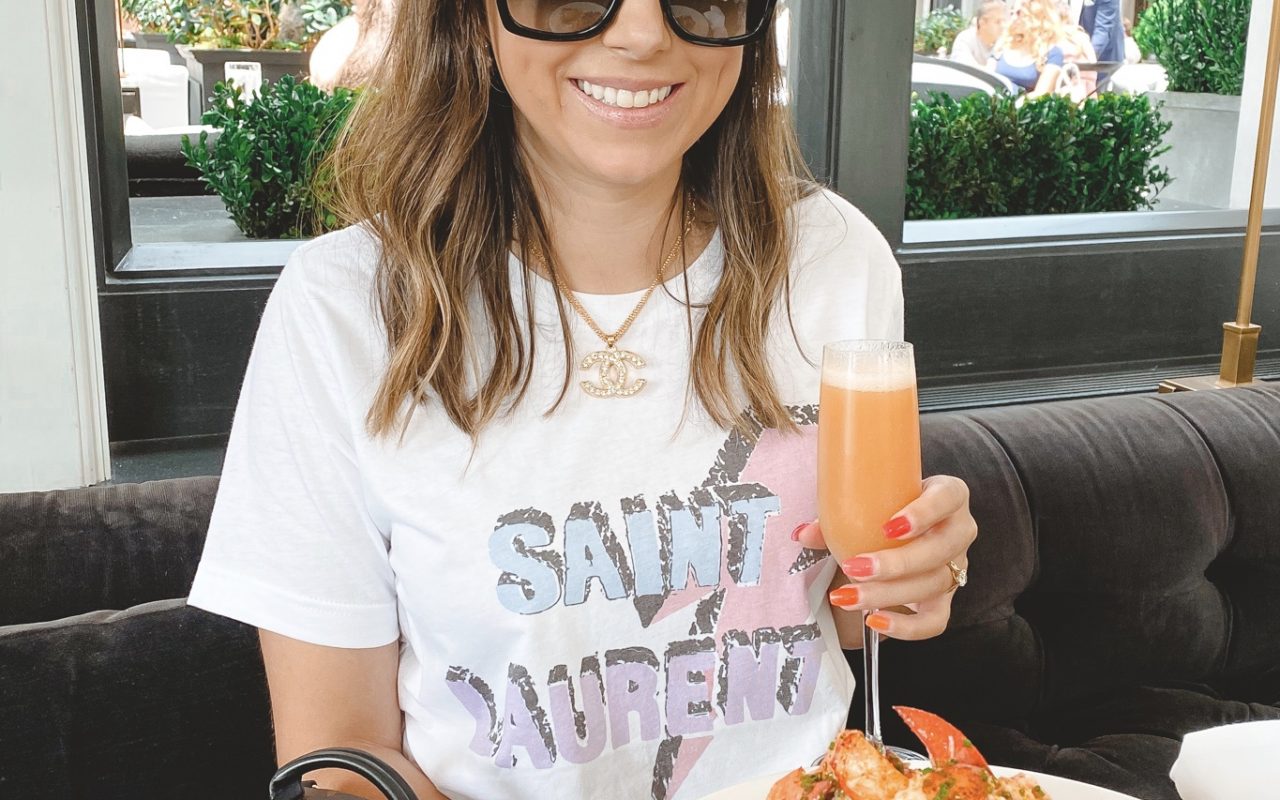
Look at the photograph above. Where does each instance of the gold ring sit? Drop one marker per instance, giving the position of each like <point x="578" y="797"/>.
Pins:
<point x="959" y="577"/>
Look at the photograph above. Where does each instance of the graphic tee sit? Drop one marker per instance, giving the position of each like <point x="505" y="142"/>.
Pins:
<point x="602" y="602"/>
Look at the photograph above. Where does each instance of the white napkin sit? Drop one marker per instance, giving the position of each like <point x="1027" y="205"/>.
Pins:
<point x="1234" y="762"/>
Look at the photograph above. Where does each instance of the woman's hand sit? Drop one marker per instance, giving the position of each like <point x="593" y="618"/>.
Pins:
<point x="1047" y="83"/>
<point x="937" y="528"/>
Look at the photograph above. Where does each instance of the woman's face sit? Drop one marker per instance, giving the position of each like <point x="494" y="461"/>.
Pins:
<point x="1018" y="33"/>
<point x="571" y="98"/>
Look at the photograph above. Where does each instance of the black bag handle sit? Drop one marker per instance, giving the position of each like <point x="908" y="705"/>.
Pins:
<point x="287" y="782"/>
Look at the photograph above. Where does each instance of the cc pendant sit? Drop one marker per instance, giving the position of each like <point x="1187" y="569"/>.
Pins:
<point x="612" y="366"/>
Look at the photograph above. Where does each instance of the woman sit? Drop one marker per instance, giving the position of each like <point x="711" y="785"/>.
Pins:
<point x="511" y="577"/>
<point x="1077" y="48"/>
<point x="1031" y="54"/>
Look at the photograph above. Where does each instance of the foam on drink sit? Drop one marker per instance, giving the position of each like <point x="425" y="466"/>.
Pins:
<point x="867" y="370"/>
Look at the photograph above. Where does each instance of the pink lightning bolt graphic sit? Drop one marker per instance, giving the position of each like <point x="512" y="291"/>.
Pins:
<point x="785" y="465"/>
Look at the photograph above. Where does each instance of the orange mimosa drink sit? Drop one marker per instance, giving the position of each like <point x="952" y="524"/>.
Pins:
<point x="868" y="443"/>
<point x="868" y="463"/>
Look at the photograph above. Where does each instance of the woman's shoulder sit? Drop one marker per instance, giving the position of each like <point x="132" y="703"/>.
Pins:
<point x="328" y="285"/>
<point x="353" y="248"/>
<point x="831" y="230"/>
<point x="341" y="262"/>
<point x="845" y="281"/>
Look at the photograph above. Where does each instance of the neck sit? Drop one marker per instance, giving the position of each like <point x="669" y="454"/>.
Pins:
<point x="610" y="239"/>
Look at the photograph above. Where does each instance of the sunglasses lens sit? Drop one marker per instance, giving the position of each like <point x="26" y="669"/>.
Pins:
<point x="706" y="19"/>
<point x="558" y="16"/>
<point x="719" y="19"/>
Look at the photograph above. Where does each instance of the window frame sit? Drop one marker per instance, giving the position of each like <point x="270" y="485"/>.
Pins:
<point x="834" y="45"/>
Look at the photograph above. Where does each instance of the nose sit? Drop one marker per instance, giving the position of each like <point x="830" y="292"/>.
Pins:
<point x="640" y="30"/>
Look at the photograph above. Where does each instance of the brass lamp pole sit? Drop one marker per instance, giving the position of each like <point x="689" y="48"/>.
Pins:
<point x="1240" y="338"/>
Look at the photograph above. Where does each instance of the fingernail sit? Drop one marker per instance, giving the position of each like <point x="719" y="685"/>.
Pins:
<point x="795" y="534"/>
<point x="859" y="567"/>
<point x="845" y="596"/>
<point x="878" y="623"/>
<point x="897" y="527"/>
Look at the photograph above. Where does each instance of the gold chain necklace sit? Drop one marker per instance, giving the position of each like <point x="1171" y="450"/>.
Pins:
<point x="614" y="366"/>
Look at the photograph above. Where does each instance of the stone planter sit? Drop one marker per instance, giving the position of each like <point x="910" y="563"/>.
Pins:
<point x="159" y="41"/>
<point x="207" y="66"/>
<point x="1202" y="143"/>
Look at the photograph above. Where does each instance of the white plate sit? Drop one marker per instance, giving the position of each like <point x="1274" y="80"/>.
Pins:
<point x="1057" y="788"/>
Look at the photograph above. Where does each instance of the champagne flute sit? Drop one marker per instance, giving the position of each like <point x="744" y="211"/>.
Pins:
<point x="868" y="464"/>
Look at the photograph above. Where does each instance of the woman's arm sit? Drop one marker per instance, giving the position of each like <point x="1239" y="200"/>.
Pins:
<point x="338" y="697"/>
<point x="1048" y="82"/>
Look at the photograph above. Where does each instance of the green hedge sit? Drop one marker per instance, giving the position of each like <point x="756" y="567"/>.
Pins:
<point x="1200" y="43"/>
<point x="990" y="156"/>
<point x="265" y="160"/>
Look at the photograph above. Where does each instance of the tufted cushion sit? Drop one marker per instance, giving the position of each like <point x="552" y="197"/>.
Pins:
<point x="1125" y="587"/>
<point x="70" y="552"/>
<point x="158" y="701"/>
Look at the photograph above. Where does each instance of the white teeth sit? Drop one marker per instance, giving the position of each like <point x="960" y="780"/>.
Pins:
<point x="625" y="98"/>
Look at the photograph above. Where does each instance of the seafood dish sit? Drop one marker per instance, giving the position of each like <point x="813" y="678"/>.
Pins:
<point x="855" y="769"/>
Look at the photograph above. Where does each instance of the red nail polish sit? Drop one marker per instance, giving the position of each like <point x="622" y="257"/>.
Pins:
<point x="877" y="623"/>
<point x="845" y="596"/>
<point x="795" y="534"/>
<point x="859" y="567"/>
<point x="897" y="527"/>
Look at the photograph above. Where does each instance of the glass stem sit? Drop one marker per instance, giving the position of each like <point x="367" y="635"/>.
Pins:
<point x="871" y="680"/>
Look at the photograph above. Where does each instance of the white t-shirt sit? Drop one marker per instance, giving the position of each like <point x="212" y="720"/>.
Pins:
<point x="969" y="49"/>
<point x="603" y="603"/>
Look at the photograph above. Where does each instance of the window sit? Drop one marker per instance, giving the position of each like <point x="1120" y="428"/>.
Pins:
<point x="1001" y="309"/>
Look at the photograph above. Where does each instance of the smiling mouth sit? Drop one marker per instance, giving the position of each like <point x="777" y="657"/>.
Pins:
<point x="625" y="98"/>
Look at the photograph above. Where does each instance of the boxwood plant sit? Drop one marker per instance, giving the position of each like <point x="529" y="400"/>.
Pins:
<point x="1200" y="43"/>
<point x="264" y="162"/>
<point x="988" y="156"/>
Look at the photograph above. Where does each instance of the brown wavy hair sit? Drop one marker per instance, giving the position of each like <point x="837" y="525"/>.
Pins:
<point x="428" y="162"/>
<point x="1040" y="22"/>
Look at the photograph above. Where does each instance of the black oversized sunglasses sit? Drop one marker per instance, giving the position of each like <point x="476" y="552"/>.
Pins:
<point x="715" y="23"/>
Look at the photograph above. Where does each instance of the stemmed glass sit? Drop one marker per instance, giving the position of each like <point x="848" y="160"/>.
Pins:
<point x="868" y="464"/>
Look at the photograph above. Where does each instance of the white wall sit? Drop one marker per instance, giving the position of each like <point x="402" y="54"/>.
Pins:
<point x="1250" y="111"/>
<point x="53" y="430"/>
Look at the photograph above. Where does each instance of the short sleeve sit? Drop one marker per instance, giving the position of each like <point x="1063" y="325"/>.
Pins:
<point x="1055" y="57"/>
<point x="291" y="547"/>
<point x="846" y="281"/>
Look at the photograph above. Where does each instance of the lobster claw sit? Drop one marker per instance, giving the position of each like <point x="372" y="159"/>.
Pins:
<point x="943" y="741"/>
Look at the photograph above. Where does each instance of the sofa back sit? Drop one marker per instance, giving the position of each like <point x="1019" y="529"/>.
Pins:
<point x="70" y="552"/>
<point x="1124" y="542"/>
<point x="110" y="686"/>
<point x="1129" y="547"/>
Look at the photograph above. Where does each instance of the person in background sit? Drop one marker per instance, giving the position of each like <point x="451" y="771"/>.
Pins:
<point x="1030" y="53"/>
<point x="975" y="43"/>
<point x="1077" y="48"/>
<point x="1101" y="19"/>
